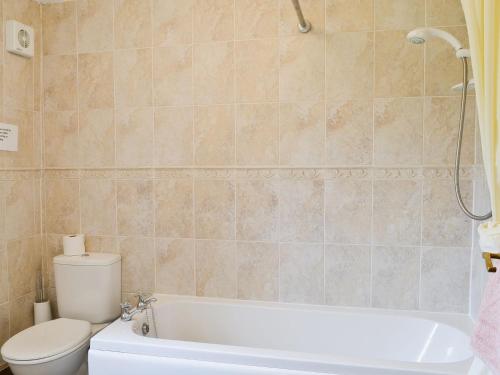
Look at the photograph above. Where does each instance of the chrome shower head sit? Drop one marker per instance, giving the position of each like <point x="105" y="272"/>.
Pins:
<point x="421" y="35"/>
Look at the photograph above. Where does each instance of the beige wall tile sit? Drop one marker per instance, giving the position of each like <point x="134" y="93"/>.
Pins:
<point x="4" y="187"/>
<point x="25" y="11"/>
<point x="4" y="278"/>
<point x="314" y="11"/>
<point x="135" y="137"/>
<point x="444" y="13"/>
<point x="135" y="207"/>
<point x="138" y="262"/>
<point x="399" y="65"/>
<point x="133" y="78"/>
<point x="395" y="277"/>
<point x="399" y="14"/>
<point x="349" y="65"/>
<point x="257" y="134"/>
<point x="19" y="209"/>
<point x="21" y="313"/>
<point x="37" y="83"/>
<point x="396" y="212"/>
<point x="302" y="273"/>
<point x="2" y="82"/>
<point x="101" y="244"/>
<point x="349" y="132"/>
<point x="214" y="209"/>
<point x="59" y="78"/>
<point x="4" y="323"/>
<point x="62" y="210"/>
<point x="59" y="28"/>
<point x="257" y="19"/>
<point x="443" y="223"/>
<point x="175" y="266"/>
<point x="302" y="133"/>
<point x="302" y="68"/>
<point x="61" y="139"/>
<point x="348" y="211"/>
<point x="301" y="210"/>
<point x="98" y="202"/>
<point x="213" y="73"/>
<point x="174" y="136"/>
<point x="257" y="215"/>
<point x="349" y="15"/>
<point x="258" y="271"/>
<point x="347" y="275"/>
<point x="441" y="129"/>
<point x="95" y="80"/>
<point x="214" y="135"/>
<point x="173" y="75"/>
<point x="257" y="70"/>
<point x="97" y="138"/>
<point x="24" y="260"/>
<point x="37" y="139"/>
<point x="172" y="22"/>
<point x="53" y="247"/>
<point x="442" y="68"/>
<point x="174" y="208"/>
<point x="398" y="131"/>
<point x="216" y="273"/>
<point x="213" y="20"/>
<point x="95" y="25"/>
<point x="445" y="284"/>
<point x="18" y="82"/>
<point x="132" y="23"/>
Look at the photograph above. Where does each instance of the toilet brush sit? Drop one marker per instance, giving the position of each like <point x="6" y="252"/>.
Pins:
<point x="41" y="307"/>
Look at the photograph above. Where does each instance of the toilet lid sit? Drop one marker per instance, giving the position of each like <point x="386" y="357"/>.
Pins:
<point x="46" y="340"/>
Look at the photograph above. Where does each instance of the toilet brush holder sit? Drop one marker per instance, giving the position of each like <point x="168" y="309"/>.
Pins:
<point x="42" y="312"/>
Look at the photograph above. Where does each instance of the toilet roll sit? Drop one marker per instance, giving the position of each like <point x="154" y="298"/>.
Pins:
<point x="74" y="244"/>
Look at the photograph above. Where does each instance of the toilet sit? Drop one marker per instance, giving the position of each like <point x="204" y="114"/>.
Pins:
<point x="88" y="289"/>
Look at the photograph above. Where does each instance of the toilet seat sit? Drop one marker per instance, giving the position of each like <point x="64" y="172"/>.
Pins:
<point x="47" y="341"/>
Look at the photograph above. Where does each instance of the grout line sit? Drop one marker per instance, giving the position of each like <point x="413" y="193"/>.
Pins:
<point x="372" y="247"/>
<point x="155" y="151"/>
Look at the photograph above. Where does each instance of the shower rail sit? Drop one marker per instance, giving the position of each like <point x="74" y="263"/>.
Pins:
<point x="304" y="25"/>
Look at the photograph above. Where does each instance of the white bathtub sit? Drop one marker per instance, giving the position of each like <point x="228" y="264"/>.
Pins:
<point x="213" y="336"/>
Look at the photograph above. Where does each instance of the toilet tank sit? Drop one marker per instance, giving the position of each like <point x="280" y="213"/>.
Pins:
<point x="88" y="287"/>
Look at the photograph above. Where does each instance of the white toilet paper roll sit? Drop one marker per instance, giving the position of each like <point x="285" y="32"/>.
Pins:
<point x="74" y="244"/>
<point x="42" y="312"/>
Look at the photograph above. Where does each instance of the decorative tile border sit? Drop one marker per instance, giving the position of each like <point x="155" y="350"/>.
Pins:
<point x="20" y="174"/>
<point x="377" y="173"/>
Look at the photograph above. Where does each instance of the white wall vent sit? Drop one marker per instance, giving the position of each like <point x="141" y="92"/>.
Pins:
<point x="20" y="39"/>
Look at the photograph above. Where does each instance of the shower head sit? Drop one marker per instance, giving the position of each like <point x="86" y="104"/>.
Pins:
<point x="421" y="35"/>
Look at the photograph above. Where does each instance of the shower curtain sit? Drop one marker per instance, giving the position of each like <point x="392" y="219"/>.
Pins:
<point x="483" y="25"/>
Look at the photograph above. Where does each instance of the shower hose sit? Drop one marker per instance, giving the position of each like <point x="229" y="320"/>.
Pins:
<point x="459" y="147"/>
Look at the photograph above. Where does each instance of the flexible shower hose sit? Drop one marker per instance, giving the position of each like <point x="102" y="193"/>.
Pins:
<point x="459" y="148"/>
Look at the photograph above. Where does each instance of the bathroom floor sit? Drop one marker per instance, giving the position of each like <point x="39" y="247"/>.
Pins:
<point x="6" y="372"/>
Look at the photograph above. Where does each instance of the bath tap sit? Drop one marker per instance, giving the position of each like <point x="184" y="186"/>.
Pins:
<point x="143" y="303"/>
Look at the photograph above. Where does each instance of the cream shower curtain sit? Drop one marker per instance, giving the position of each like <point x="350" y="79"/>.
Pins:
<point x="483" y="25"/>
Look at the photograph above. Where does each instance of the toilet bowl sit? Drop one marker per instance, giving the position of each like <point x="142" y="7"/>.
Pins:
<point x="56" y="347"/>
<point x="88" y="291"/>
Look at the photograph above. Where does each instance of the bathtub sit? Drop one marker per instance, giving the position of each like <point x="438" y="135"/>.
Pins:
<point x="192" y="335"/>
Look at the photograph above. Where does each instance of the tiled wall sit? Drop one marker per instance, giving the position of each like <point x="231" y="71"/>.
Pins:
<point x="223" y="153"/>
<point x="20" y="182"/>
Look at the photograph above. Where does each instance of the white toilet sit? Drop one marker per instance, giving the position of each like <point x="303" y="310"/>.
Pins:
<point x="88" y="289"/>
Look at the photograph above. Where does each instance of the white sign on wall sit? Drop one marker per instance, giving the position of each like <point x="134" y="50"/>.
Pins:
<point x="8" y="137"/>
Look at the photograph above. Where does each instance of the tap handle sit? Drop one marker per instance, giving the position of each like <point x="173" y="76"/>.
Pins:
<point x="144" y="298"/>
<point x="125" y="306"/>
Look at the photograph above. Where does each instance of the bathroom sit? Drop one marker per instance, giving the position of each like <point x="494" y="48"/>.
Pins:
<point x="294" y="156"/>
